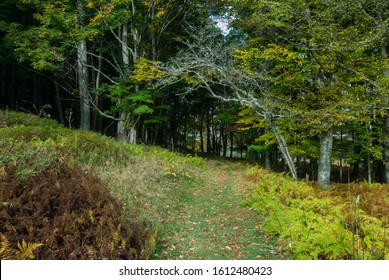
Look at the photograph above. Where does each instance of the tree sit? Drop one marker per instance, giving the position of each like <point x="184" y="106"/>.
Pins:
<point x="376" y="37"/>
<point x="82" y="68"/>
<point x="144" y="32"/>
<point x="311" y="50"/>
<point x="59" y="28"/>
<point x="210" y="62"/>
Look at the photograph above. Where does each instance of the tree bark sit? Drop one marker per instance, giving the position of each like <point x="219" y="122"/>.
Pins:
<point x="282" y="145"/>
<point x="324" y="169"/>
<point x="122" y="130"/>
<point x="83" y="84"/>
<point x="201" y="135"/>
<point x="225" y="141"/>
<point x="232" y="144"/>
<point x="386" y="149"/>
<point x="208" y="124"/>
<point x="133" y="135"/>
<point x="341" y="158"/>
<point x="385" y="55"/>
<point x="82" y="69"/>
<point x="267" y="160"/>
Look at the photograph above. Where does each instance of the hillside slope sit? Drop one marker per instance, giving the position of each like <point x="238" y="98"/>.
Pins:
<point x="86" y="196"/>
<point x="70" y="194"/>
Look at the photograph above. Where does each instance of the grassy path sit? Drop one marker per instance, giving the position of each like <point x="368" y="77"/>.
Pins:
<point x="211" y="223"/>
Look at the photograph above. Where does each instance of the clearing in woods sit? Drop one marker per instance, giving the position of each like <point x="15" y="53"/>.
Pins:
<point x="211" y="222"/>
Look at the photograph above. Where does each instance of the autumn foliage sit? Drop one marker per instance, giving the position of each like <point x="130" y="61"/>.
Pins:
<point x="70" y="213"/>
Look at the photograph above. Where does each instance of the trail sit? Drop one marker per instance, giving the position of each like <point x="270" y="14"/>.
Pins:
<point x="212" y="223"/>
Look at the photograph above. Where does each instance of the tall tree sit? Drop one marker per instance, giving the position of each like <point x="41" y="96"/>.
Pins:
<point x="309" y="46"/>
<point x="58" y="30"/>
<point x="82" y="62"/>
<point x="139" y="27"/>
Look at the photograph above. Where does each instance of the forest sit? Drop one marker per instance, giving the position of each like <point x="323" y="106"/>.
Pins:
<point x="298" y="86"/>
<point x="295" y="87"/>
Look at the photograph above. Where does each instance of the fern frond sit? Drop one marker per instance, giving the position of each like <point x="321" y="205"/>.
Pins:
<point x="26" y="249"/>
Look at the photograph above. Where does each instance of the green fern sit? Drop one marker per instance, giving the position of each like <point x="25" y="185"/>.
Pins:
<point x="312" y="227"/>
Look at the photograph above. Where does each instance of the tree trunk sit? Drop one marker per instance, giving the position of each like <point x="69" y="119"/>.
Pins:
<point x="369" y="169"/>
<point x="83" y="85"/>
<point x="386" y="122"/>
<point x="267" y="160"/>
<point x="59" y="103"/>
<point x="341" y="158"/>
<point x="82" y="69"/>
<point x="324" y="169"/>
<point x="386" y="148"/>
<point x="208" y="124"/>
<point x="133" y="135"/>
<point x="201" y="135"/>
<point x="122" y="130"/>
<point x="282" y="145"/>
<point x="225" y="141"/>
<point x="232" y="144"/>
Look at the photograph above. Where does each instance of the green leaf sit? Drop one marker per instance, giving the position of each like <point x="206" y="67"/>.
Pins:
<point x="143" y="109"/>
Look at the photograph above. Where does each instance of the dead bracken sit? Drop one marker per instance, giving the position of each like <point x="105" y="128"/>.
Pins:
<point x="70" y="213"/>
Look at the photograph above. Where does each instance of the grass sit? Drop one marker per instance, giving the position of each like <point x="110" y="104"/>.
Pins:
<point x="209" y="221"/>
<point x="196" y="217"/>
<point x="192" y="207"/>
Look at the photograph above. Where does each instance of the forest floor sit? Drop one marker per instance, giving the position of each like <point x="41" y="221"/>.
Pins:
<point x="211" y="221"/>
<point x="179" y="206"/>
<point x="168" y="206"/>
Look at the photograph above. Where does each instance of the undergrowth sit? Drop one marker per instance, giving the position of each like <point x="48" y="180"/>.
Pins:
<point x="71" y="194"/>
<point x="311" y="224"/>
<point x="70" y="214"/>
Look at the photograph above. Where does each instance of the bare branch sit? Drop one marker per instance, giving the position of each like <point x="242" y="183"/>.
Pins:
<point x="116" y="67"/>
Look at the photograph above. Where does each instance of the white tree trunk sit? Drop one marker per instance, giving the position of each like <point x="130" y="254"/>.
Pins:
<point x="133" y="135"/>
<point x="83" y="85"/>
<point x="324" y="172"/>
<point x="122" y="130"/>
<point x="123" y="122"/>
<point x="283" y="146"/>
